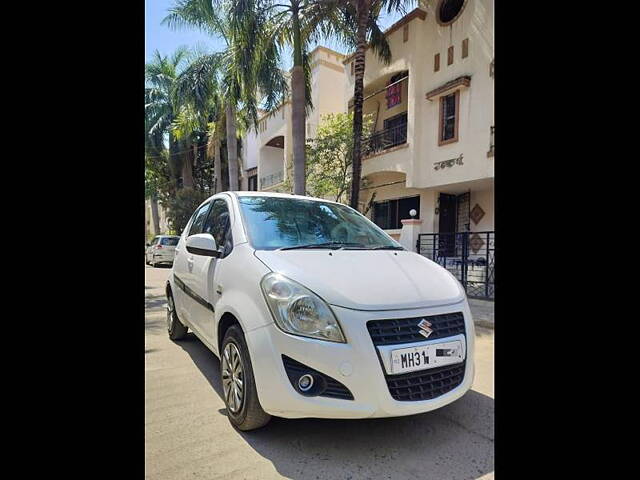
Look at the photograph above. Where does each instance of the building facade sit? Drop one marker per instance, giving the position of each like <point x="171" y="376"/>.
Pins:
<point x="269" y="151"/>
<point x="431" y="145"/>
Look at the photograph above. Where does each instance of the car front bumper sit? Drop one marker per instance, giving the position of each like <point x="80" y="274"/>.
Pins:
<point x="355" y="364"/>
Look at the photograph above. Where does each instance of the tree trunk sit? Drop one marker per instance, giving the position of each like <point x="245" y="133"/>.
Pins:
<point x="187" y="170"/>
<point x="174" y="161"/>
<point x="361" y="38"/>
<point x="217" y="166"/>
<point x="232" y="148"/>
<point x="298" y="110"/>
<point x="155" y="215"/>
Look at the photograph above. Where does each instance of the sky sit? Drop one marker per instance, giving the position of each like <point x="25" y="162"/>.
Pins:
<point x="166" y="40"/>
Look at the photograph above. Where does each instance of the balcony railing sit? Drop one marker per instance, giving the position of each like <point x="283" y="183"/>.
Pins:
<point x="270" y="180"/>
<point x="385" y="139"/>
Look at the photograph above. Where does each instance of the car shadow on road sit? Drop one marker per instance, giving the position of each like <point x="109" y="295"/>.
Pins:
<point x="454" y="442"/>
<point x="155" y="303"/>
<point x="155" y="319"/>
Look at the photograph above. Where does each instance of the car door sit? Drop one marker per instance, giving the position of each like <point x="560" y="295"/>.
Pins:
<point x="183" y="265"/>
<point x="205" y="281"/>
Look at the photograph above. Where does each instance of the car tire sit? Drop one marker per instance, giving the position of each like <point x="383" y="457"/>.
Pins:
<point x="248" y="413"/>
<point x="175" y="327"/>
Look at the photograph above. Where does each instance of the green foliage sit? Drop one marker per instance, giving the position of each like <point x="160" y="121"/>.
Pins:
<point x="181" y="206"/>
<point x="329" y="157"/>
<point x="157" y="175"/>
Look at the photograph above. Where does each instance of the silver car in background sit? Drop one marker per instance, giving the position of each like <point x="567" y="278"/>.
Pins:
<point x="161" y="250"/>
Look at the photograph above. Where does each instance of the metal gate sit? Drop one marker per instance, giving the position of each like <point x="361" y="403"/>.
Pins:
<point x="472" y="261"/>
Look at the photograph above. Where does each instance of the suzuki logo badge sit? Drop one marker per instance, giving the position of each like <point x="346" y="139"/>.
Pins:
<point x="424" y="325"/>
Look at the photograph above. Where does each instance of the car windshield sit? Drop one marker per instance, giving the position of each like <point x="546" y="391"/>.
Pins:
<point x="169" y="241"/>
<point x="292" y="223"/>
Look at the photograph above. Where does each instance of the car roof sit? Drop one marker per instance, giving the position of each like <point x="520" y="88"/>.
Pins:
<point x="277" y="195"/>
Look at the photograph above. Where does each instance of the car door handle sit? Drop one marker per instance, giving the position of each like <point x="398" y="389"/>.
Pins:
<point x="219" y="289"/>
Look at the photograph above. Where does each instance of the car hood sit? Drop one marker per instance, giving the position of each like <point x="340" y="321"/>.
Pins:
<point x="367" y="279"/>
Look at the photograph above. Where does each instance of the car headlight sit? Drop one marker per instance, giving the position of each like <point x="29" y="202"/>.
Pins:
<point x="299" y="311"/>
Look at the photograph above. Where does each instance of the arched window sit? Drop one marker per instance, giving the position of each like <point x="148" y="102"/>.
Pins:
<point x="449" y="11"/>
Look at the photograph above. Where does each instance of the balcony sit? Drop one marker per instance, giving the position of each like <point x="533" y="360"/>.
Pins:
<point x="271" y="180"/>
<point x="384" y="140"/>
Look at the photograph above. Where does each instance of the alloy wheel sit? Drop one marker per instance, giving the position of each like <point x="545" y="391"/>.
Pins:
<point x="232" y="378"/>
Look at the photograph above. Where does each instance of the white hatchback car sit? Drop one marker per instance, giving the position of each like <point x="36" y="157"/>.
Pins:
<point x="161" y="250"/>
<point x="314" y="311"/>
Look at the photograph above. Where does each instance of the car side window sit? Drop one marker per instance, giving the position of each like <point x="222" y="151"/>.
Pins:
<point x="198" y="220"/>
<point x="218" y="224"/>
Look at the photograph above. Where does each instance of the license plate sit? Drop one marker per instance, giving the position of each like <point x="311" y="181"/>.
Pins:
<point x="423" y="357"/>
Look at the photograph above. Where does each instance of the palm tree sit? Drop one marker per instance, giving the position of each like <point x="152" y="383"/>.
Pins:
<point x="355" y="22"/>
<point x="238" y="72"/>
<point x="160" y="107"/>
<point x="275" y="25"/>
<point x="196" y="91"/>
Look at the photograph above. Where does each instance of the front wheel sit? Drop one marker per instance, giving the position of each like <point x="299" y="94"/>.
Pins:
<point x="238" y="384"/>
<point x="174" y="326"/>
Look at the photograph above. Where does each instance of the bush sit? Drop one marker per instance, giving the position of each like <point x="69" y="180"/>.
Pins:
<point x="181" y="206"/>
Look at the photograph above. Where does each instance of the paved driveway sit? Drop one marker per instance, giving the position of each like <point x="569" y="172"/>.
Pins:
<point x="187" y="435"/>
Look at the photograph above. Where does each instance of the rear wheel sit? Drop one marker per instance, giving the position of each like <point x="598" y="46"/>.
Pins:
<point x="175" y="328"/>
<point x="238" y="384"/>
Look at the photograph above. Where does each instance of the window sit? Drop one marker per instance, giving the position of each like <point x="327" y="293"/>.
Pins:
<point x="448" y="131"/>
<point x="198" y="219"/>
<point x="169" y="241"/>
<point x="274" y="222"/>
<point x="450" y="55"/>
<point x="436" y="62"/>
<point x="465" y="48"/>
<point x="253" y="183"/>
<point x="449" y="11"/>
<point x="389" y="213"/>
<point x="218" y="225"/>
<point x="394" y="91"/>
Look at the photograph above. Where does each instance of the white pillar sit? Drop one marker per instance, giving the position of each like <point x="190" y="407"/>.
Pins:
<point x="409" y="233"/>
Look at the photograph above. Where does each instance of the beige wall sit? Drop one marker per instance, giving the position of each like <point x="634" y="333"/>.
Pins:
<point x="327" y="80"/>
<point x="164" y="227"/>
<point x="416" y="159"/>
<point x="484" y="198"/>
<point x="426" y="38"/>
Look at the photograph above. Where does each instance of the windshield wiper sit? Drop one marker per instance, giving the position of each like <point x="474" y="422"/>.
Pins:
<point x="388" y="247"/>
<point x="330" y="245"/>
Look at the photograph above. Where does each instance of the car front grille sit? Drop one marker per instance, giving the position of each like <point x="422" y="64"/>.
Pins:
<point x="406" y="330"/>
<point x="425" y="384"/>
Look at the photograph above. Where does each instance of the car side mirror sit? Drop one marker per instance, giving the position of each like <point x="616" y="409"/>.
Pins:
<point x="203" y="244"/>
